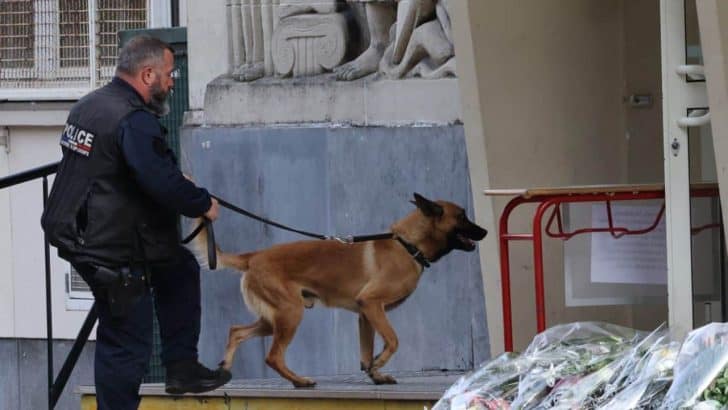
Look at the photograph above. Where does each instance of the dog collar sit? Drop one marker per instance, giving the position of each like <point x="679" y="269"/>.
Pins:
<point x="416" y="253"/>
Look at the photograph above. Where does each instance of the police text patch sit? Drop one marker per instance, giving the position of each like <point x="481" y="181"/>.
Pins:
<point x="77" y="140"/>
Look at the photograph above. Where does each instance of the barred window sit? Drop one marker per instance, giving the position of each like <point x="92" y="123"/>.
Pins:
<point x="65" y="47"/>
<point x="16" y="34"/>
<point x="113" y="16"/>
<point x="73" y="33"/>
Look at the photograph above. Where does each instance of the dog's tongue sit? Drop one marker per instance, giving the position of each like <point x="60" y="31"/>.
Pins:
<point x="466" y="240"/>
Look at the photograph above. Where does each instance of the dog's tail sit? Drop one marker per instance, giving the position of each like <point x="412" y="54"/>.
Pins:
<point x="198" y="247"/>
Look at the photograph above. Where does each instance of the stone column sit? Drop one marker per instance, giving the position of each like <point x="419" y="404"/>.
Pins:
<point x="237" y="48"/>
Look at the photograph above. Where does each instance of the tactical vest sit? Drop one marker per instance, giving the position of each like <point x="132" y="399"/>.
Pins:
<point x="96" y="212"/>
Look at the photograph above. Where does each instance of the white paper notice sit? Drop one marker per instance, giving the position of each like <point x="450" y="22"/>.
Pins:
<point x="635" y="259"/>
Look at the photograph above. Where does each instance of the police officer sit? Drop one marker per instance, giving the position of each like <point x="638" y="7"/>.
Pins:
<point x="113" y="213"/>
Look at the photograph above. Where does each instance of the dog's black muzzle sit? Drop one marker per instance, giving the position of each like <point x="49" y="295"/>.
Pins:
<point x="475" y="232"/>
<point x="465" y="237"/>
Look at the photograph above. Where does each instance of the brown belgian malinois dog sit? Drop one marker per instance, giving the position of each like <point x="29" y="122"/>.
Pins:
<point x="368" y="278"/>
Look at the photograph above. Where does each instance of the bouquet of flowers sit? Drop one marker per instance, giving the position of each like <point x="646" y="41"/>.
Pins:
<point x="647" y="385"/>
<point x="559" y="356"/>
<point x="488" y="387"/>
<point x="701" y="377"/>
<point x="602" y="367"/>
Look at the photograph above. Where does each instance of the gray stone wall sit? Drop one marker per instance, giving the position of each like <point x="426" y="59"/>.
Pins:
<point x="24" y="374"/>
<point x="346" y="180"/>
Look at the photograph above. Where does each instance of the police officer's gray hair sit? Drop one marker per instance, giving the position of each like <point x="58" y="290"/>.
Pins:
<point x="140" y="51"/>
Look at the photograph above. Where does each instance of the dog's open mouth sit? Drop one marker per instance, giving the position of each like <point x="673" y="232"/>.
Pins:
<point x="468" y="244"/>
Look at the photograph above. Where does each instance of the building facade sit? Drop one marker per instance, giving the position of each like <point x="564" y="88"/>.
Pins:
<point x="328" y="115"/>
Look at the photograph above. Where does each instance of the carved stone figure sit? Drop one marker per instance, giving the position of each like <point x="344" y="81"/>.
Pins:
<point x="380" y="15"/>
<point x="252" y="23"/>
<point x="267" y="35"/>
<point x="308" y="37"/>
<point x="426" y="50"/>
<point x="419" y="44"/>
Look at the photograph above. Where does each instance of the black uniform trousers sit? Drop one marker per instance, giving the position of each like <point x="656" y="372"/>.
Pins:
<point x="124" y="345"/>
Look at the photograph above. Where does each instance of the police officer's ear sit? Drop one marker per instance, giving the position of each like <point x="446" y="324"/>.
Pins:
<point x="148" y="75"/>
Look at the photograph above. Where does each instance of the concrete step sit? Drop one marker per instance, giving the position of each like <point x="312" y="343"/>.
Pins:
<point x="414" y="391"/>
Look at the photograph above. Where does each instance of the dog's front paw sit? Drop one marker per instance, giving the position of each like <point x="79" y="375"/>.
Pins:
<point x="379" y="378"/>
<point x="304" y="382"/>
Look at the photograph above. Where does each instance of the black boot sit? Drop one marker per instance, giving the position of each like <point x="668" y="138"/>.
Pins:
<point x="189" y="376"/>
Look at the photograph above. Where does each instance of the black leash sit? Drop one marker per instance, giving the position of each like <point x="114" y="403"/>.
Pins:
<point x="346" y="239"/>
<point x="212" y="255"/>
<point x="194" y="233"/>
<point x="211" y="246"/>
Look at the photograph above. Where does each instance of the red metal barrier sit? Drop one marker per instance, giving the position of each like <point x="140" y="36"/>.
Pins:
<point x="553" y="198"/>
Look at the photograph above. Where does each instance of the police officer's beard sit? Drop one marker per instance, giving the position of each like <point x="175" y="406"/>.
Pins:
<point x="158" y="101"/>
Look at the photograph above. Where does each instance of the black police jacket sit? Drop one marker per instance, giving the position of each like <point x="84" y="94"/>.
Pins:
<point x="118" y="191"/>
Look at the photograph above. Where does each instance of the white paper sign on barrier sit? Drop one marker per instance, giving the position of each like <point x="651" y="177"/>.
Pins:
<point x="635" y="259"/>
<point x="601" y="270"/>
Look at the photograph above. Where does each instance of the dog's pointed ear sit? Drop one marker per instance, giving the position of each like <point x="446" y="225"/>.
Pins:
<point x="429" y="208"/>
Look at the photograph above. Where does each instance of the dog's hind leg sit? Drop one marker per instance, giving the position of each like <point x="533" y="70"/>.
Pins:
<point x="239" y="334"/>
<point x="366" y="342"/>
<point x="375" y="314"/>
<point x="285" y="321"/>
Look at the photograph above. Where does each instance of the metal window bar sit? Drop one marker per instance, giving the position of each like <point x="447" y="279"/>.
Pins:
<point x="113" y="16"/>
<point x="55" y="386"/>
<point x="68" y="46"/>
<point x="16" y="39"/>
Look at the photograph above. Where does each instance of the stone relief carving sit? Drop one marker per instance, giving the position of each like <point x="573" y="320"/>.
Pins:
<point x="309" y="44"/>
<point x="422" y="46"/>
<point x="251" y="21"/>
<point x="407" y="38"/>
